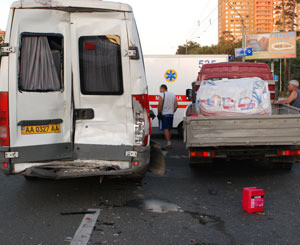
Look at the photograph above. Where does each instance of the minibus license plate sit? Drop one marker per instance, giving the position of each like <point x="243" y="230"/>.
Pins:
<point x="41" y="129"/>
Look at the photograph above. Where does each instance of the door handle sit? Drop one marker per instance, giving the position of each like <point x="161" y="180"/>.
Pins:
<point x="84" y="114"/>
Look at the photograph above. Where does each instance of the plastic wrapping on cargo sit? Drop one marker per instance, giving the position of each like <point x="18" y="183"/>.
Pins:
<point x="245" y="96"/>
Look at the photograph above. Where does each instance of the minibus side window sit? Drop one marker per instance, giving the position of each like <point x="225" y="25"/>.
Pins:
<point x="100" y="65"/>
<point x="41" y="63"/>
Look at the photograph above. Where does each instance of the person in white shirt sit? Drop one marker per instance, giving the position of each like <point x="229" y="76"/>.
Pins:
<point x="167" y="106"/>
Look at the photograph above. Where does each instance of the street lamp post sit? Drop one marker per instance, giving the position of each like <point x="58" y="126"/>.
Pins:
<point x="186" y="45"/>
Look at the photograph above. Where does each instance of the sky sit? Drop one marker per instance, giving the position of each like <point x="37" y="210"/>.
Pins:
<point x="164" y="24"/>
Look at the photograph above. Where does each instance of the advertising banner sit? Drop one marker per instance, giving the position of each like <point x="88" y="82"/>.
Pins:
<point x="275" y="45"/>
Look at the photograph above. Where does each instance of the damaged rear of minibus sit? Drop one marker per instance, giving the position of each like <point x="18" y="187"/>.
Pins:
<point x="73" y="92"/>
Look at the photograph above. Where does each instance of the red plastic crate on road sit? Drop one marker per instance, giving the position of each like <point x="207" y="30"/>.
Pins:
<point x="253" y="200"/>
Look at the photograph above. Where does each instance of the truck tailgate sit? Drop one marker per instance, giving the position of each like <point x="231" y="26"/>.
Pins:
<point x="242" y="131"/>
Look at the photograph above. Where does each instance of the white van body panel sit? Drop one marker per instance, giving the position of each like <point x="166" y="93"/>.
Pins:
<point x="83" y="4"/>
<point x="187" y="68"/>
<point x="27" y="105"/>
<point x="106" y="128"/>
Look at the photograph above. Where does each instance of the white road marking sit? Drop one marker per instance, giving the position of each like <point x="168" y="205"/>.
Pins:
<point x="83" y="233"/>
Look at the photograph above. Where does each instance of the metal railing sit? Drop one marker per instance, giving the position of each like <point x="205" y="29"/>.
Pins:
<point x="284" y="110"/>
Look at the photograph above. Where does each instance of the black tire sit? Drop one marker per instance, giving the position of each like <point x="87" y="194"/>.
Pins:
<point x="30" y="178"/>
<point x="268" y="164"/>
<point x="180" y="129"/>
<point x="286" y="166"/>
<point x="200" y="164"/>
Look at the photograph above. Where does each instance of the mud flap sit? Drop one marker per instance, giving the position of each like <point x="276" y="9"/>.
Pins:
<point x="157" y="161"/>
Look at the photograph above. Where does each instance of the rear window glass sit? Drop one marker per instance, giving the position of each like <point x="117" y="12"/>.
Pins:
<point x="100" y="65"/>
<point x="41" y="63"/>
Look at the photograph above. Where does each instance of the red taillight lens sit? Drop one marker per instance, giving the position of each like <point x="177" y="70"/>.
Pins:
<point x="143" y="100"/>
<point x="288" y="153"/>
<point x="202" y="154"/>
<point x="271" y="88"/>
<point x="4" y="120"/>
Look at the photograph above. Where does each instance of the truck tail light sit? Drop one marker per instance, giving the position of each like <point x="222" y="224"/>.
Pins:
<point x="142" y="118"/>
<point x="271" y="87"/>
<point x="202" y="154"/>
<point x="4" y="120"/>
<point x="288" y="153"/>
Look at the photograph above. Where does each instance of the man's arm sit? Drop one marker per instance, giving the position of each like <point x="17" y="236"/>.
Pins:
<point x="289" y="100"/>
<point x="160" y="101"/>
<point x="175" y="105"/>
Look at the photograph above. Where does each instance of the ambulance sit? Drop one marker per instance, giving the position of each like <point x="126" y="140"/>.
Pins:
<point x="177" y="72"/>
<point x="73" y="91"/>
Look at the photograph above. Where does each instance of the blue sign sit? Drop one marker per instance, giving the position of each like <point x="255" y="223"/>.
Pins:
<point x="240" y="52"/>
<point x="231" y="57"/>
<point x="249" y="52"/>
<point x="276" y="78"/>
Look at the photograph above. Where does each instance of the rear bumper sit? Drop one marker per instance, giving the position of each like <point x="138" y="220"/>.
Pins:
<point x="240" y="153"/>
<point x="107" y="161"/>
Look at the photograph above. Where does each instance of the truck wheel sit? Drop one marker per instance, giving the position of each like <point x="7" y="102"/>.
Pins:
<point x="180" y="129"/>
<point x="268" y="164"/>
<point x="30" y="178"/>
<point x="199" y="164"/>
<point x="286" y="165"/>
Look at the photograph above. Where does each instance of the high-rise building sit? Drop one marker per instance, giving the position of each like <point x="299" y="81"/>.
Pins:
<point x="259" y="16"/>
<point x="231" y="13"/>
<point x="263" y="15"/>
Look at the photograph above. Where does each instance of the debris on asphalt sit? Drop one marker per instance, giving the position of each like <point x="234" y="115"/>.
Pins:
<point x="108" y="223"/>
<point x="78" y="213"/>
<point x="212" y="192"/>
<point x="68" y="239"/>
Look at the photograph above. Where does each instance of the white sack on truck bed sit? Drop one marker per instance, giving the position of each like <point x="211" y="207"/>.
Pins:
<point x="245" y="96"/>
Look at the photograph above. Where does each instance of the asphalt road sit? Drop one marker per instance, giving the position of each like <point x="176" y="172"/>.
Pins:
<point x="202" y="206"/>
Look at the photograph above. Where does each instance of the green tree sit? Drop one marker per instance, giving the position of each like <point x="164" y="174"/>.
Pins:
<point x="287" y="9"/>
<point x="223" y="47"/>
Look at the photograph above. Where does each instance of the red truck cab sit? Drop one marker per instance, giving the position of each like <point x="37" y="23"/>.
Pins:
<point x="233" y="70"/>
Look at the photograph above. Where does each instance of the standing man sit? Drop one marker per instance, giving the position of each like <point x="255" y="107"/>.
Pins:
<point x="294" y="98"/>
<point x="167" y="106"/>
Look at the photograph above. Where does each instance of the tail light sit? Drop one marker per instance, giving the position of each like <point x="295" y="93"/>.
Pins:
<point x="202" y="154"/>
<point x="288" y="153"/>
<point x="271" y="87"/>
<point x="142" y="119"/>
<point x="4" y="122"/>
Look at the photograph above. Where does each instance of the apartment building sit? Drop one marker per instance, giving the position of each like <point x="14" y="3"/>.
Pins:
<point x="259" y="16"/>
<point x="2" y="34"/>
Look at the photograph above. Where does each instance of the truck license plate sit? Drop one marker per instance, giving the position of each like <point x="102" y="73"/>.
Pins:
<point x="41" y="129"/>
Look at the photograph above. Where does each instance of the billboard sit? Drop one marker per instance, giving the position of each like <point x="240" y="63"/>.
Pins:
<point x="275" y="45"/>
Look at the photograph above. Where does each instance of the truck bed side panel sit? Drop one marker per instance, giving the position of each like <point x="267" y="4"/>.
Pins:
<point x="242" y="131"/>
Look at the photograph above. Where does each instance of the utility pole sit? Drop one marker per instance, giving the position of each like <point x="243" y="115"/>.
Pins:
<point x="243" y="28"/>
<point x="283" y="14"/>
<point x="186" y="47"/>
<point x="243" y="38"/>
<point x="285" y="61"/>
